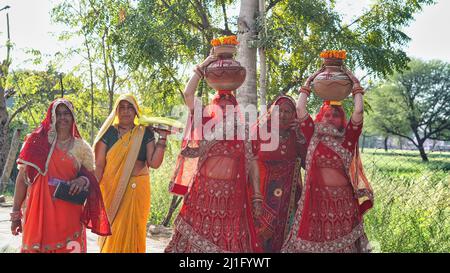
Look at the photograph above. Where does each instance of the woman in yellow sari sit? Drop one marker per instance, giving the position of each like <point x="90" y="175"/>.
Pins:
<point x="124" y="151"/>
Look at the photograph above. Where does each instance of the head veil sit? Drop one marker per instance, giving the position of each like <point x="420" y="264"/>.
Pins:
<point x="35" y="156"/>
<point x="113" y="118"/>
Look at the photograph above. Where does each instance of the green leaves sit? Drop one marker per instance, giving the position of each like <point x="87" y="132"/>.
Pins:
<point x="154" y="44"/>
<point x="414" y="104"/>
<point x="302" y="29"/>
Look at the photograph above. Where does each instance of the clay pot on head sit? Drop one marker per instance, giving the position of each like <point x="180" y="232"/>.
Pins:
<point x="225" y="73"/>
<point x="333" y="83"/>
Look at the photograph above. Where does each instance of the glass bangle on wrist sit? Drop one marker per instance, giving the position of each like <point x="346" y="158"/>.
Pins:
<point x="306" y="90"/>
<point x="358" y="90"/>
<point x="198" y="71"/>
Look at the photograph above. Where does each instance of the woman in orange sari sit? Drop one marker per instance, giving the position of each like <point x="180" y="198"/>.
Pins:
<point x="55" y="153"/>
<point x="124" y="151"/>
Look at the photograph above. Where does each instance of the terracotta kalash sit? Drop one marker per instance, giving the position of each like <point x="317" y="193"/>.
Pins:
<point x="225" y="74"/>
<point x="331" y="82"/>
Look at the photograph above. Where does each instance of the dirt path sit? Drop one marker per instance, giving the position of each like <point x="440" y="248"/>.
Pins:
<point x="10" y="243"/>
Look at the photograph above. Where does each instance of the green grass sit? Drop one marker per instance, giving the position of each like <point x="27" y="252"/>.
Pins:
<point x="412" y="201"/>
<point x="160" y="178"/>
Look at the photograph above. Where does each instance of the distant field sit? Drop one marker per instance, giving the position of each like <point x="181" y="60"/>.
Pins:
<point x="412" y="201"/>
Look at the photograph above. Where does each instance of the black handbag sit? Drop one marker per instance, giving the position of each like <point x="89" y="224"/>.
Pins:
<point x="62" y="192"/>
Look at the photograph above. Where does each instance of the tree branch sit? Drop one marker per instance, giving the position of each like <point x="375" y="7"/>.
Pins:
<point x="15" y="113"/>
<point x="105" y="60"/>
<point x="446" y="126"/>
<point x="225" y="17"/>
<point x="272" y="4"/>
<point x="390" y="131"/>
<point x="202" y="14"/>
<point x="9" y="93"/>
<point x="183" y="18"/>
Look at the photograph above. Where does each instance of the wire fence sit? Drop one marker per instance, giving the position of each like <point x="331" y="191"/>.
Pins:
<point x="412" y="198"/>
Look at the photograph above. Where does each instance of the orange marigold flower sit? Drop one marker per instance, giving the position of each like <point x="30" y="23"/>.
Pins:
<point x="122" y="15"/>
<point x="335" y="54"/>
<point x="225" y="40"/>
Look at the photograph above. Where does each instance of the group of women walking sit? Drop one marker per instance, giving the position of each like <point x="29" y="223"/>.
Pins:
<point x="237" y="196"/>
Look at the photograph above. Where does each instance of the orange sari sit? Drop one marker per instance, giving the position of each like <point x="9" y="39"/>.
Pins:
<point x="52" y="225"/>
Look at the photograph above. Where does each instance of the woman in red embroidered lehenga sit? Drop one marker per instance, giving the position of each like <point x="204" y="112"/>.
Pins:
<point x="213" y="176"/>
<point x="280" y="173"/>
<point x="55" y="153"/>
<point x="336" y="193"/>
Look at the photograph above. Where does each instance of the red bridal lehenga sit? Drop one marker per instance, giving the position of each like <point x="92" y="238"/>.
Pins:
<point x="216" y="215"/>
<point x="280" y="184"/>
<point x="330" y="216"/>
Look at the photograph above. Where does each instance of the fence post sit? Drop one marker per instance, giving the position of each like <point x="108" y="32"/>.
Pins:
<point x="176" y="200"/>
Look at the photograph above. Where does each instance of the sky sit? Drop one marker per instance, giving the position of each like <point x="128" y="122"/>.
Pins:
<point x="429" y="32"/>
<point x="31" y="27"/>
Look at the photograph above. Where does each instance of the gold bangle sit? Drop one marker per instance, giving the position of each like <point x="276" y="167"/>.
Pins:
<point x="199" y="71"/>
<point x="358" y="90"/>
<point x="306" y="90"/>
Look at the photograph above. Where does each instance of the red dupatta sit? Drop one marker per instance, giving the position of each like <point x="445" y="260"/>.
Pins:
<point x="36" y="153"/>
<point x="353" y="165"/>
<point x="335" y="149"/>
<point x="193" y="145"/>
<point x="195" y="152"/>
<point x="355" y="169"/>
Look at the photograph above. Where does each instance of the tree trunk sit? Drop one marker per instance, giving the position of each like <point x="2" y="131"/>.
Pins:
<point x="3" y="130"/>
<point x="9" y="164"/>
<point x="4" y="69"/>
<point x="400" y="140"/>
<point x="109" y="79"/>
<point x="91" y="76"/>
<point x="3" y="143"/>
<point x="262" y="56"/>
<point x="422" y="152"/>
<point x="386" y="138"/>
<point x="246" y="94"/>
